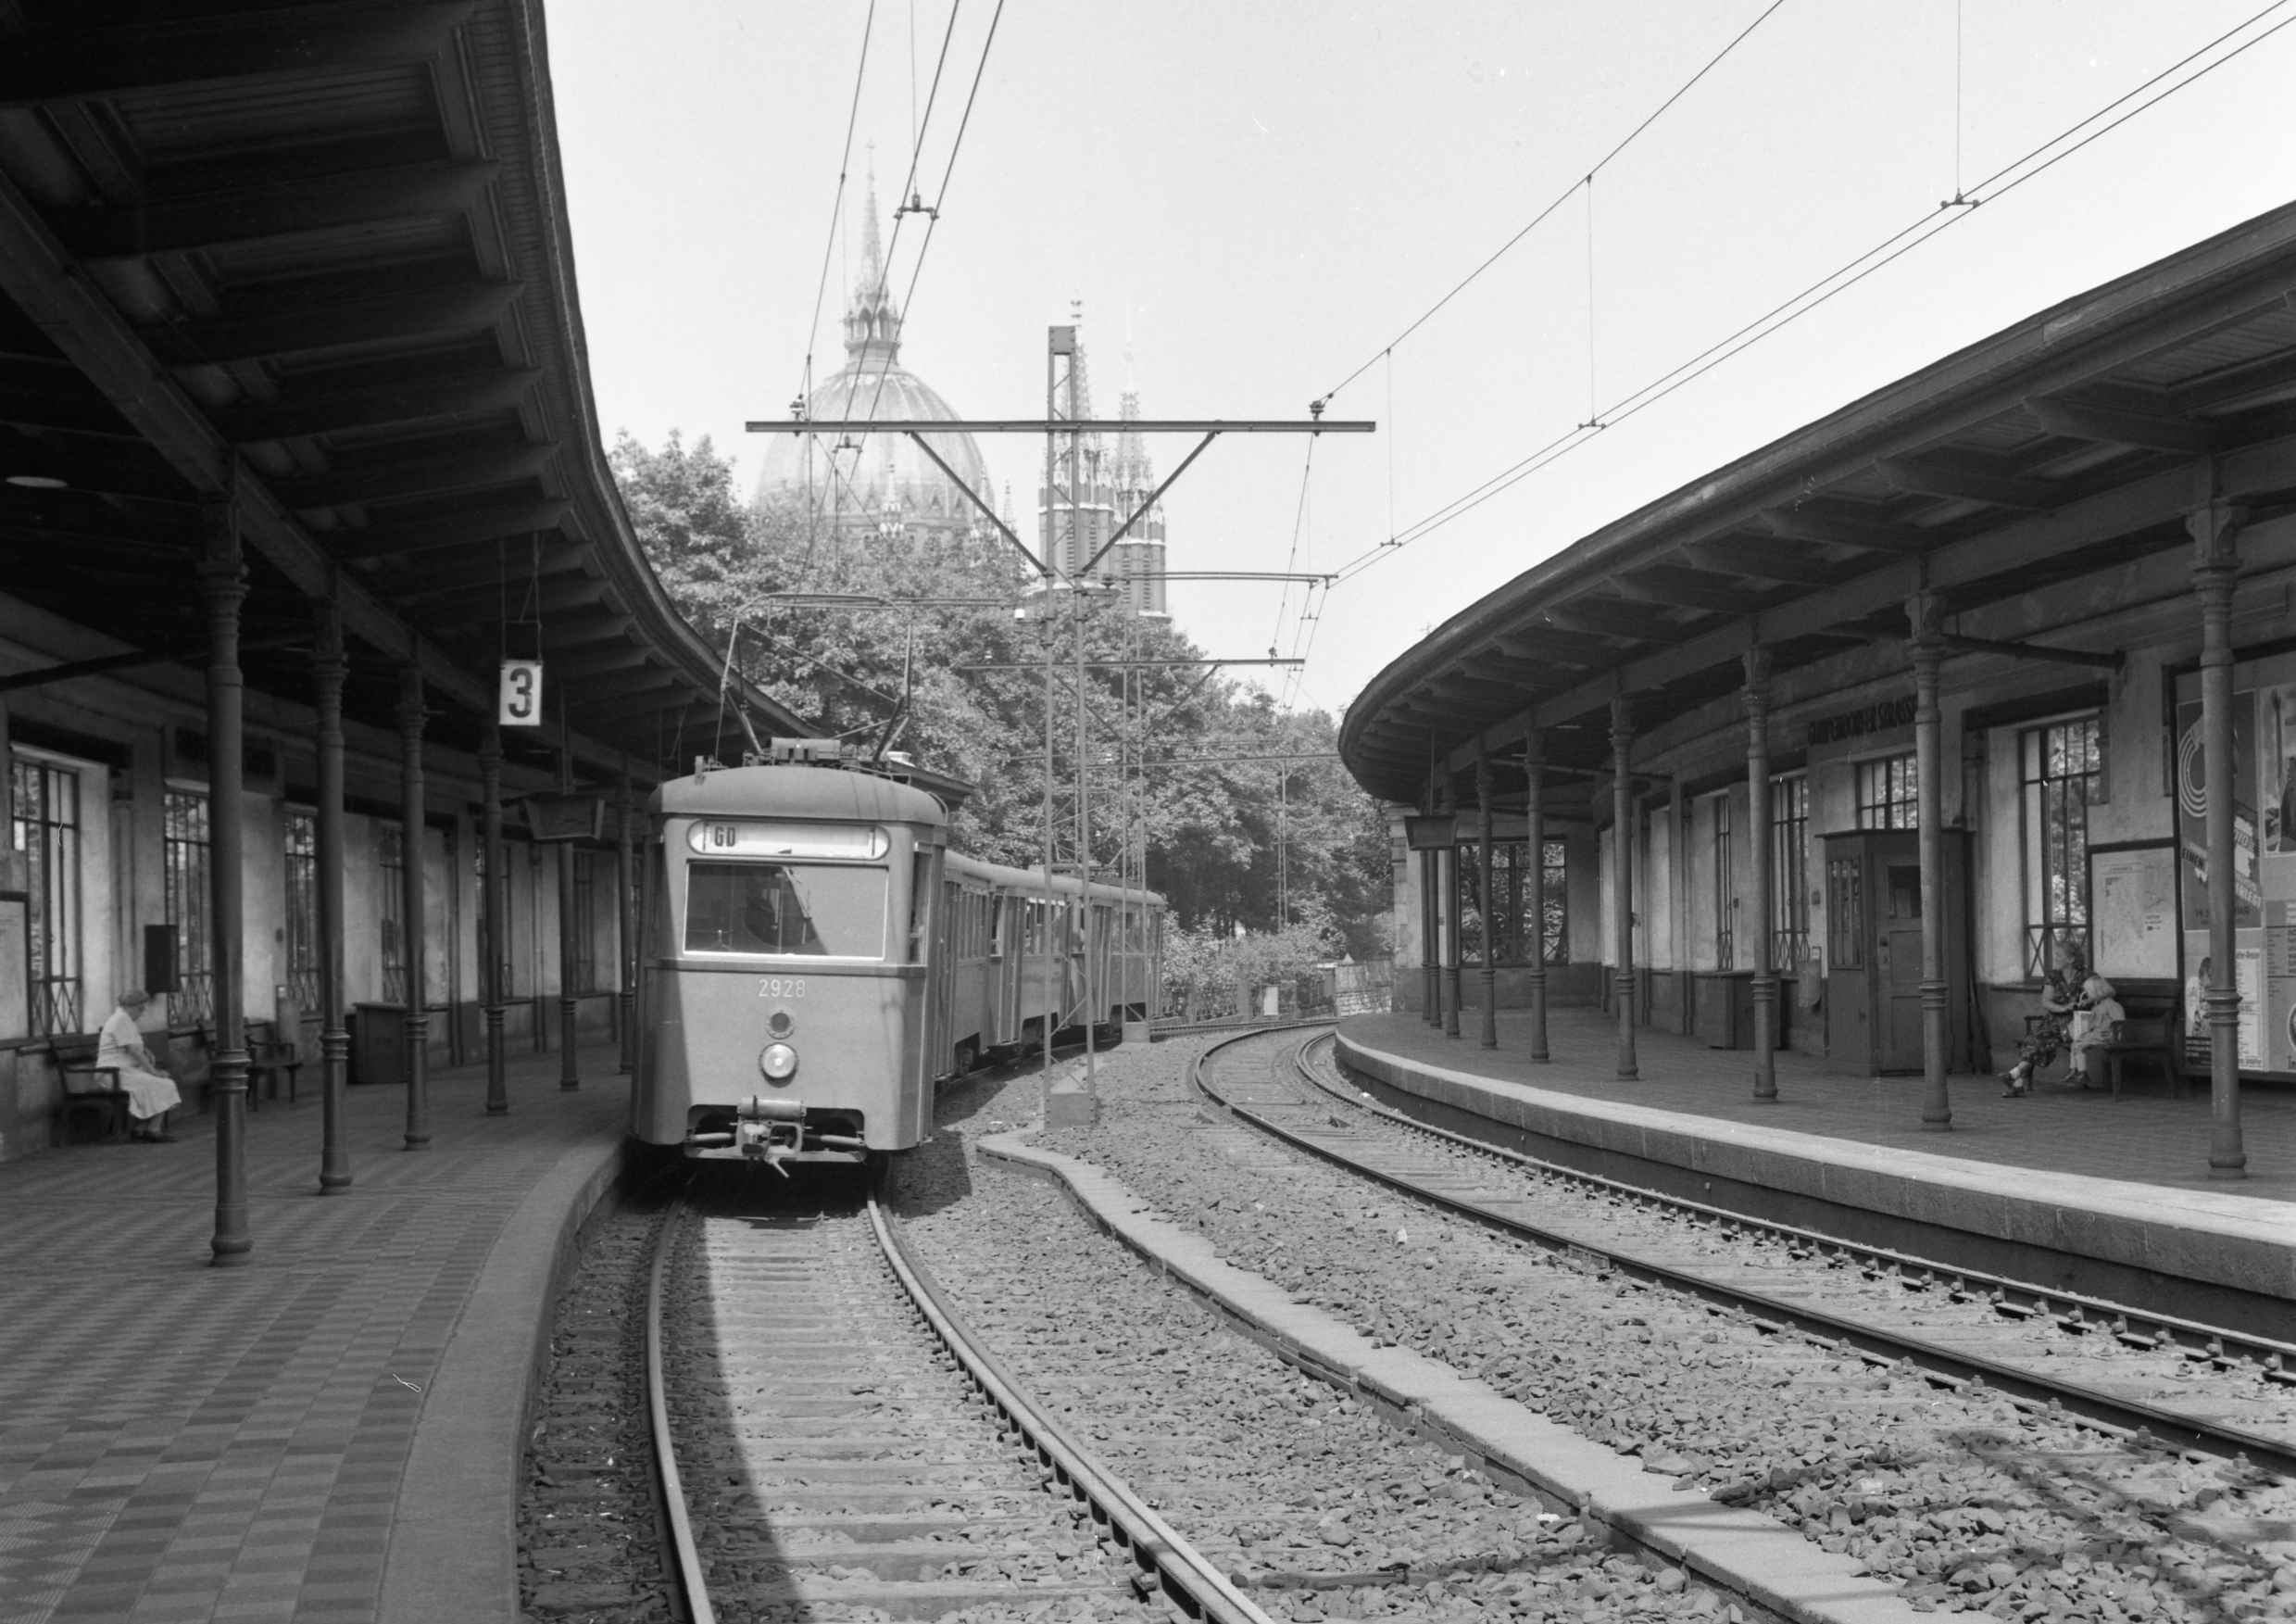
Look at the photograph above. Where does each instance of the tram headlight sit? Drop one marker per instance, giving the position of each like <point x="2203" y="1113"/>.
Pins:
<point x="779" y="1063"/>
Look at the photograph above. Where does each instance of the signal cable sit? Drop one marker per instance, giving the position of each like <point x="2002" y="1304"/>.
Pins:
<point x="2002" y="181"/>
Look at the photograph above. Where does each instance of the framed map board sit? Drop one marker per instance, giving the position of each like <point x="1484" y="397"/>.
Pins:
<point x="2132" y="909"/>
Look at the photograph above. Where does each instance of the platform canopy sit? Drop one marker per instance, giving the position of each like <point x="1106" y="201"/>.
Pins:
<point x="318" y="254"/>
<point x="2077" y="439"/>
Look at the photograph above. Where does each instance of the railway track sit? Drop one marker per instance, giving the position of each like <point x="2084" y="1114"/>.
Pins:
<point x="831" y="1438"/>
<point x="2097" y="1362"/>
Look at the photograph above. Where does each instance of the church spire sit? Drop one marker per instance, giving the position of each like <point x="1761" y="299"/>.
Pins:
<point x="872" y="327"/>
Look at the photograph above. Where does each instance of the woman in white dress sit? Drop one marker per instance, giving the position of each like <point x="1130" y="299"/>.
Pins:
<point x="151" y="1091"/>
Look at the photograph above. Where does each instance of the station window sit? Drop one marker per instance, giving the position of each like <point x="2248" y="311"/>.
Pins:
<point x="390" y="846"/>
<point x="1519" y="894"/>
<point x="1554" y="903"/>
<point x="2062" y="769"/>
<point x="1789" y="873"/>
<point x="301" y="839"/>
<point x="1845" y="913"/>
<point x="1888" y="793"/>
<point x="47" y="830"/>
<point x="185" y="850"/>
<point x="1725" y="890"/>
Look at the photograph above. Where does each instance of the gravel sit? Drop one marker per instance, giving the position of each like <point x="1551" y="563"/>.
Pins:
<point x="588" y="1545"/>
<point x="1969" y="1502"/>
<point x="1301" y="1494"/>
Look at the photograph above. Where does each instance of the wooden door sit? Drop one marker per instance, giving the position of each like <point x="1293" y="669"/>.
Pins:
<point x="1897" y="1043"/>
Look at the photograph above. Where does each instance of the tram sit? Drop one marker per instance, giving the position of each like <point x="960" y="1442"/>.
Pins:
<point x="813" y="959"/>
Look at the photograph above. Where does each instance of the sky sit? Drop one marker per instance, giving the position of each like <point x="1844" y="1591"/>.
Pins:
<point x="1251" y="203"/>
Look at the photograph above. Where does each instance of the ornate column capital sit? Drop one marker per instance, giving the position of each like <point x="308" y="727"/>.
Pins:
<point x="2216" y="534"/>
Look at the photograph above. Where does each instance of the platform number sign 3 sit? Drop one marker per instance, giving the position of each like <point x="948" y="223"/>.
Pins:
<point x="518" y="704"/>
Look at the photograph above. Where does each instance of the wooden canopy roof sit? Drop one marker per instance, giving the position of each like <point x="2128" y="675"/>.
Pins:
<point x="2077" y="439"/>
<point x="320" y="251"/>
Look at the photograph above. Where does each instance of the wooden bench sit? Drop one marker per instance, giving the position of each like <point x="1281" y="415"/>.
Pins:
<point x="75" y="1059"/>
<point x="2153" y="1037"/>
<point x="268" y="1061"/>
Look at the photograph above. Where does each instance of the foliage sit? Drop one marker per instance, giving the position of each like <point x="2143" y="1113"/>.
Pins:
<point x="894" y="676"/>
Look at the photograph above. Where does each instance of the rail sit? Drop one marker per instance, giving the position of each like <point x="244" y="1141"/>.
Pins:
<point x="1161" y="1559"/>
<point x="1942" y="1363"/>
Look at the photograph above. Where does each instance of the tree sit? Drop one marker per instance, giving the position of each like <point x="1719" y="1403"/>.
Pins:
<point x="1228" y="842"/>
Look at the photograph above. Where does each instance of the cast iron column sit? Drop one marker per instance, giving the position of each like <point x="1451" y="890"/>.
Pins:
<point x="1430" y="952"/>
<point x="1928" y="656"/>
<point x="1490" y="920"/>
<point x="1758" y="870"/>
<point x="626" y="928"/>
<point x="329" y="667"/>
<point x="491" y="910"/>
<point x="1446" y="879"/>
<point x="1622" y="874"/>
<point x="223" y="583"/>
<point x="2216" y="571"/>
<point x="411" y="925"/>
<point x="1535" y="820"/>
<point x="569" y="1072"/>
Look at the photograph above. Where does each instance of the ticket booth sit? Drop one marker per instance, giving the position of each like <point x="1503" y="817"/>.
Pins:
<point x="1873" y="957"/>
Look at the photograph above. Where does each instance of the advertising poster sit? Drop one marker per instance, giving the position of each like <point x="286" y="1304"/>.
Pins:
<point x="2193" y="792"/>
<point x="2249" y="978"/>
<point x="2264" y="869"/>
<point x="2280" y="1012"/>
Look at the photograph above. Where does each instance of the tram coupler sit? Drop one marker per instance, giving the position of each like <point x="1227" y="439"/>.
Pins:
<point x="770" y="1130"/>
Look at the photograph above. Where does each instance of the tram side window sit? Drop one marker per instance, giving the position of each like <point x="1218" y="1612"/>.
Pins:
<point x="784" y="909"/>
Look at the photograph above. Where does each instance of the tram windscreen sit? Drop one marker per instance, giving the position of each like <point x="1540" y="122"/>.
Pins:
<point x="785" y="907"/>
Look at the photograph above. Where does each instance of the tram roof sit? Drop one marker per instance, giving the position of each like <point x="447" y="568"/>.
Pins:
<point x="2076" y="440"/>
<point x="318" y="254"/>
<point x="798" y="792"/>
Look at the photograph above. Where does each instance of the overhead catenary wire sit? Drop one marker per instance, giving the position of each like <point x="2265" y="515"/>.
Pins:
<point x="2000" y="183"/>
<point x="836" y="208"/>
<point x="933" y="213"/>
<point x="1539" y="219"/>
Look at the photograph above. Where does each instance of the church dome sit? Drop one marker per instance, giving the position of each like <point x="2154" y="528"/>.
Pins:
<point x="877" y="484"/>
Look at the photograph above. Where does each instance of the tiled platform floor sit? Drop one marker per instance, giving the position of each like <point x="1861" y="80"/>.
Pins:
<point x="2144" y="1137"/>
<point x="179" y="1442"/>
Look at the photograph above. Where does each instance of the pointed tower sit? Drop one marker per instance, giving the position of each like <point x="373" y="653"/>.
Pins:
<point x="877" y="488"/>
<point x="1140" y="556"/>
<point x="1072" y="511"/>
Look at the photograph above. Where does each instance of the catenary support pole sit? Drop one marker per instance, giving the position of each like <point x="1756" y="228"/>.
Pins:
<point x="223" y="585"/>
<point x="2216" y="573"/>
<point x="626" y="921"/>
<point x="1490" y="919"/>
<point x="1928" y="656"/>
<point x="1758" y="870"/>
<point x="411" y="924"/>
<point x="496" y="959"/>
<point x="327" y="670"/>
<point x="1534" y="928"/>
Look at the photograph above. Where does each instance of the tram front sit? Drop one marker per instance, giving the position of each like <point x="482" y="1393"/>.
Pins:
<point x="782" y="997"/>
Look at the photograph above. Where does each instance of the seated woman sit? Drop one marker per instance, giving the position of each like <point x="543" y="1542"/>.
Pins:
<point x="2092" y="1023"/>
<point x="151" y="1091"/>
<point x="2062" y="998"/>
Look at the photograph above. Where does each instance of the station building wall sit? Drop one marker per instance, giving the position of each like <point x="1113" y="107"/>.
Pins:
<point x="2145" y="611"/>
<point x="118" y="752"/>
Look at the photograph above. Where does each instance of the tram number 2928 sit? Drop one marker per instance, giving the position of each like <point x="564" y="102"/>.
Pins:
<point x="782" y="987"/>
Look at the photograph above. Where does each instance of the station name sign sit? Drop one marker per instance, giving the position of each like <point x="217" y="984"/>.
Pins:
<point x="1875" y="717"/>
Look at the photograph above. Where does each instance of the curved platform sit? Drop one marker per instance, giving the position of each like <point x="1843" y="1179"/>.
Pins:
<point x="330" y="1433"/>
<point x="2071" y="1190"/>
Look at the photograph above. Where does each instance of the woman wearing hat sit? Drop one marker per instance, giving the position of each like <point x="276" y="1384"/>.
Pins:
<point x="151" y="1091"/>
